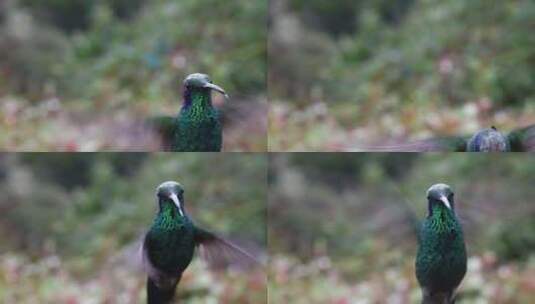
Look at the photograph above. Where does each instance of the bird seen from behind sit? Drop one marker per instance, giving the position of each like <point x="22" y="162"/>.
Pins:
<point x="486" y="140"/>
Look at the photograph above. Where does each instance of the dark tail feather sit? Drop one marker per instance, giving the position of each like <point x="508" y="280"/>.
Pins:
<point x="438" y="298"/>
<point x="157" y="295"/>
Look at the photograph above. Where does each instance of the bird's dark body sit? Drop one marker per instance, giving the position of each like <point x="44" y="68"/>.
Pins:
<point x="197" y="127"/>
<point x="170" y="243"/>
<point x="441" y="256"/>
<point x="161" y="294"/>
<point x="170" y="247"/>
<point x="198" y="133"/>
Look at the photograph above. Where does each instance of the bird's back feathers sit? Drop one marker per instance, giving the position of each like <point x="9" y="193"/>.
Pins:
<point x="519" y="140"/>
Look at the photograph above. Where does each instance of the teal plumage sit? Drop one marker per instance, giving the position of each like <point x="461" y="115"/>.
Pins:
<point x="197" y="127"/>
<point x="441" y="256"/>
<point x="171" y="241"/>
<point x="169" y="245"/>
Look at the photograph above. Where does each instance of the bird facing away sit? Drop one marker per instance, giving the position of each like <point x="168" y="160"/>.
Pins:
<point x="487" y="140"/>
<point x="441" y="256"/>
<point x="197" y="127"/>
<point x="170" y="243"/>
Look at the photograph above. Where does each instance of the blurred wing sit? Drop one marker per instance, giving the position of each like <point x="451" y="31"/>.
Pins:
<point x="132" y="256"/>
<point x="151" y="271"/>
<point x="444" y="144"/>
<point x="407" y="209"/>
<point x="220" y="253"/>
<point x="523" y="139"/>
<point x="165" y="127"/>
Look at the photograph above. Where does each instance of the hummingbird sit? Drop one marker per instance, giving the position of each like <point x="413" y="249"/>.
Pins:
<point x="486" y="140"/>
<point x="441" y="256"/>
<point x="197" y="127"/>
<point x="169" y="245"/>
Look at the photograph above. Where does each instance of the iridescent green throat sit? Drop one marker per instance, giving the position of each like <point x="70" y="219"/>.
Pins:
<point x="169" y="217"/>
<point x="442" y="219"/>
<point x="199" y="104"/>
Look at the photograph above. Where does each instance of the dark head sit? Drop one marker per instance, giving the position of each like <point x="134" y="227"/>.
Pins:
<point x="200" y="83"/>
<point x="171" y="193"/>
<point x="488" y="140"/>
<point x="440" y="194"/>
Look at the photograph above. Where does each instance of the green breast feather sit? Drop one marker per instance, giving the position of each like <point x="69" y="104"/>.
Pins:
<point x="170" y="242"/>
<point x="441" y="257"/>
<point x="198" y="131"/>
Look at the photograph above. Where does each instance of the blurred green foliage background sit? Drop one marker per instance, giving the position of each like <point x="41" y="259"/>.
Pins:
<point x="347" y="73"/>
<point x="83" y="75"/>
<point x="71" y="224"/>
<point x="342" y="227"/>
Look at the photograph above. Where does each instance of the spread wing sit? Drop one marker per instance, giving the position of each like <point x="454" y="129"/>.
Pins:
<point x="522" y="139"/>
<point x="443" y="144"/>
<point x="134" y="256"/>
<point x="220" y="253"/>
<point x="165" y="127"/>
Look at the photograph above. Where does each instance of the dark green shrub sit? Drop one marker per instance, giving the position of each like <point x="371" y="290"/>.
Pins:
<point x="72" y="15"/>
<point x="68" y="15"/>
<point x="514" y="239"/>
<point x="125" y="9"/>
<point x="342" y="16"/>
